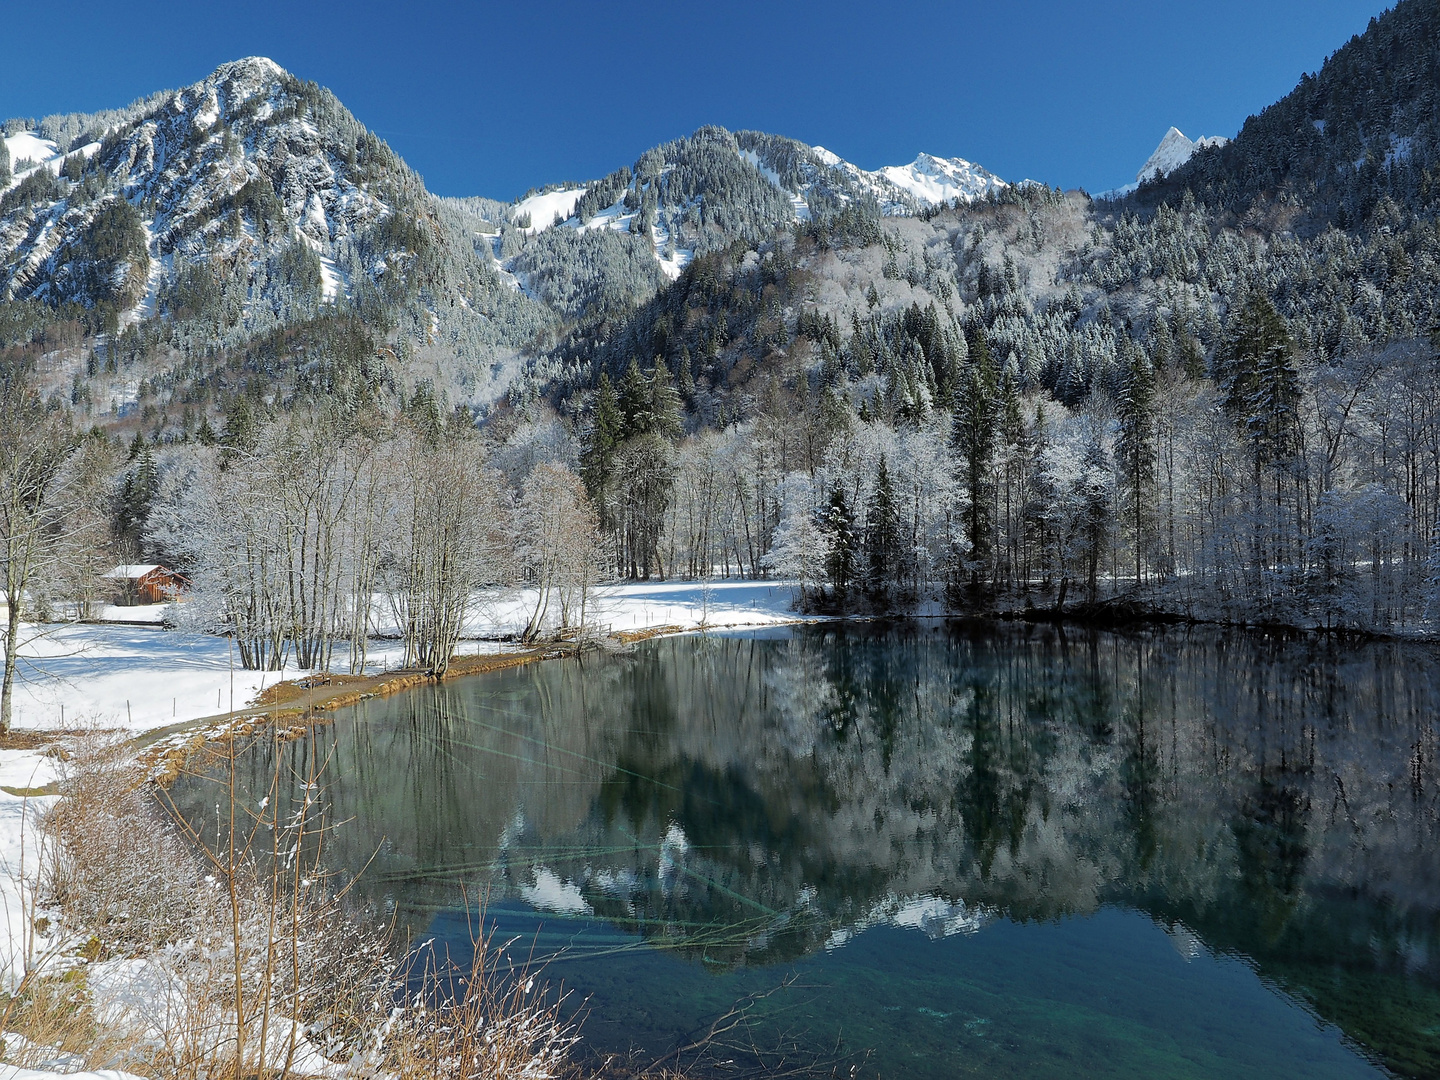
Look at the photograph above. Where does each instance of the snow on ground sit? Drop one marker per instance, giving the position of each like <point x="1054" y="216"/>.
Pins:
<point x="332" y="281"/>
<point x="39" y="152"/>
<point x="149" y="304"/>
<point x="140" y="677"/>
<point x="543" y="208"/>
<point x="797" y="202"/>
<point x="21" y="771"/>
<point x="136" y="677"/>
<point x="12" y="1072"/>
<point x="934" y="181"/>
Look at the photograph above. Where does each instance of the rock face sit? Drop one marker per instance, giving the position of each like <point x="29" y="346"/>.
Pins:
<point x="1174" y="150"/>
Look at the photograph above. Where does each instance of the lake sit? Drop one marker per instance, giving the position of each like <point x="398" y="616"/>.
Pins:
<point x="945" y="848"/>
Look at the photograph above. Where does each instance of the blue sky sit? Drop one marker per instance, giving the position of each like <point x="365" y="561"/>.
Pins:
<point x="492" y="98"/>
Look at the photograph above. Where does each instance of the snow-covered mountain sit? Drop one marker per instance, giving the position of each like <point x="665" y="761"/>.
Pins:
<point x="714" y="187"/>
<point x="932" y="181"/>
<point x="253" y="200"/>
<point x="1175" y="149"/>
<point x="248" y="200"/>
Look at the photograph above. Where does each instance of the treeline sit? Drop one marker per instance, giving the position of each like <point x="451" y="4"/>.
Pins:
<point x="1359" y="133"/>
<point x="1277" y="488"/>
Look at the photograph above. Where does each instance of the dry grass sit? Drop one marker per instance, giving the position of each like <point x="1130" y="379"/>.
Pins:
<point x="178" y="957"/>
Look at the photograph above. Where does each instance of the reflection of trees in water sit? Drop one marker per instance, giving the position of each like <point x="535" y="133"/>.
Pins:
<point x="746" y="798"/>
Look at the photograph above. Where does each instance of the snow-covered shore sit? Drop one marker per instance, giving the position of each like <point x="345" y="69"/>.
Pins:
<point x="134" y="677"/>
<point x="138" y="678"/>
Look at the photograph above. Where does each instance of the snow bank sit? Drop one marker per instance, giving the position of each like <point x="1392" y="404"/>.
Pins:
<point x="543" y="208"/>
<point x="12" y="1072"/>
<point x="20" y="771"/>
<point x="140" y="678"/>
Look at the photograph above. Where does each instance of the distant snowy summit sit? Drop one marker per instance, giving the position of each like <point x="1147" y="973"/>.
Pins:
<point x="1175" y="149"/>
<point x="710" y="187"/>
<point x="928" y="180"/>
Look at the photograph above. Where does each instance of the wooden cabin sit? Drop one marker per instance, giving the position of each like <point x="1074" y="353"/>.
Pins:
<point x="144" y="583"/>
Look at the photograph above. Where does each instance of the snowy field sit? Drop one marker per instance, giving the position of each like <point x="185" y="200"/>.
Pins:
<point x="139" y="677"/>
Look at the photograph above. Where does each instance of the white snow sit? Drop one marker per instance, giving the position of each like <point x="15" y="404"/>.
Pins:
<point x="826" y="156"/>
<point x="797" y="201"/>
<point x="130" y="571"/>
<point x="543" y="208"/>
<point x="160" y="267"/>
<point x="27" y="144"/>
<point x="42" y="153"/>
<point x="139" y="678"/>
<point x="933" y="181"/>
<point x="1174" y="150"/>
<point x="21" y="771"/>
<point x="13" y="1072"/>
<point x="131" y="677"/>
<point x="332" y="281"/>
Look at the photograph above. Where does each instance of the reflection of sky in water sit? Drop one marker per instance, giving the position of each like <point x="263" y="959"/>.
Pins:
<point x="1136" y="848"/>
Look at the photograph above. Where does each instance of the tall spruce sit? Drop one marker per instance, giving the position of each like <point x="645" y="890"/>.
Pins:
<point x="838" y="522"/>
<point x="1135" y="448"/>
<point x="882" y="535"/>
<point x="597" y="460"/>
<point x="974" y="436"/>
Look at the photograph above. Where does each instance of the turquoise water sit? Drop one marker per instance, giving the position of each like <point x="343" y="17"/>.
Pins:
<point x="939" y="849"/>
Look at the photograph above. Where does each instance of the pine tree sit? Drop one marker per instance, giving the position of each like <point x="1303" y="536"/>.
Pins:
<point x="137" y="494"/>
<point x="665" y="406"/>
<point x="973" y="445"/>
<point x="597" y="460"/>
<point x="1257" y="376"/>
<point x="1135" y="446"/>
<point x="882" y="535"/>
<point x="635" y="401"/>
<point x="838" y="522"/>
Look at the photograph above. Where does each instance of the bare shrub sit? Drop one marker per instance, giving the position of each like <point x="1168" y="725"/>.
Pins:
<point x="493" y="1019"/>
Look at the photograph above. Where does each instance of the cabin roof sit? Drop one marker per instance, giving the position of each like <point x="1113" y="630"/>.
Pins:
<point x="132" y="571"/>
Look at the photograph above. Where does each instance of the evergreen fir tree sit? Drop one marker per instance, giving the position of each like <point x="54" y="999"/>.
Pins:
<point x="882" y="535"/>
<point x="665" y="407"/>
<point x="1135" y="446"/>
<point x="137" y="493"/>
<point x="597" y="460"/>
<point x="1258" y="378"/>
<point x="838" y="521"/>
<point x="973" y="445"/>
<point x="635" y="401"/>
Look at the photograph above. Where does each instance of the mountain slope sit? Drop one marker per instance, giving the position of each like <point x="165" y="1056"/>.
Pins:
<point x="246" y="202"/>
<point x="580" y="248"/>
<point x="1175" y="149"/>
<point x="1366" y="127"/>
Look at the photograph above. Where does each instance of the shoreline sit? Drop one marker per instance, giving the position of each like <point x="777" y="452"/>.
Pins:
<point x="310" y="699"/>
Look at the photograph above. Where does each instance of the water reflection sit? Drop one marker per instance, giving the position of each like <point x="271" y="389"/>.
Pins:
<point x="751" y="801"/>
